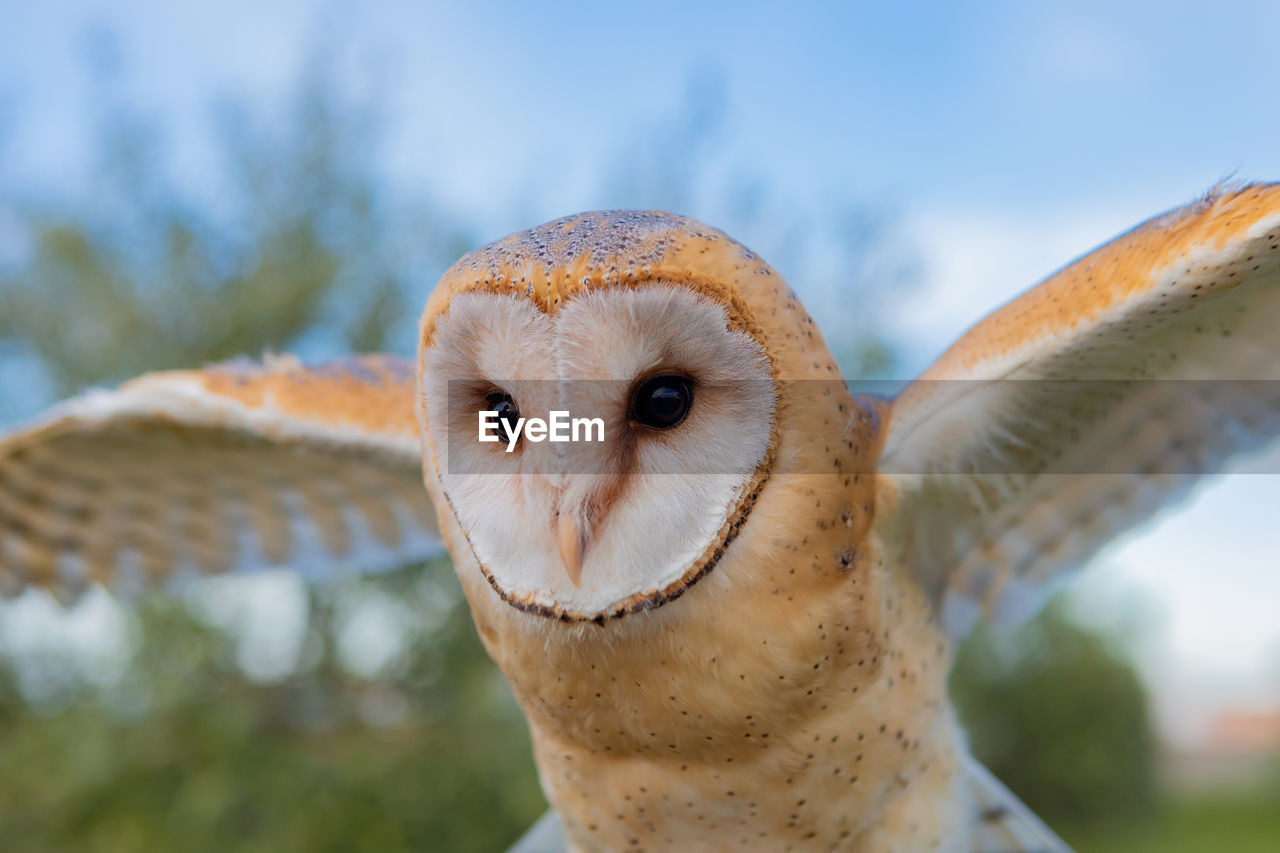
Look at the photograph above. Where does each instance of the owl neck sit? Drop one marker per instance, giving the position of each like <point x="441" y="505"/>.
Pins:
<point x="832" y="692"/>
<point x="703" y="680"/>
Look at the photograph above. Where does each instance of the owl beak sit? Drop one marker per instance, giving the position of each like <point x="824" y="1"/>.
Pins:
<point x="572" y="536"/>
<point x="577" y="520"/>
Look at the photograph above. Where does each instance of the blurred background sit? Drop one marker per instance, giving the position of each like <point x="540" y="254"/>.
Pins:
<point x="183" y="183"/>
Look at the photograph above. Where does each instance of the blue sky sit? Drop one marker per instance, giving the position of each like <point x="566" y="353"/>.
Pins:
<point x="1010" y="137"/>
<point x="1022" y="105"/>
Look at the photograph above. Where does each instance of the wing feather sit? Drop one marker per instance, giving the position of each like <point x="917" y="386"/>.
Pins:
<point x="236" y="467"/>
<point x="1083" y="407"/>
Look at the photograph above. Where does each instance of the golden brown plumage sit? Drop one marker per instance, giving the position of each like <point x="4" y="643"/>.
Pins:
<point x="234" y="467"/>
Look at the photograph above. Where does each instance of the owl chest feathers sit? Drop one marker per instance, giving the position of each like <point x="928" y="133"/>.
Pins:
<point x="797" y="691"/>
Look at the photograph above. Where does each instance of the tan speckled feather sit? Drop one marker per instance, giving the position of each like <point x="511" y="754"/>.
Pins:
<point x="1082" y="407"/>
<point x="1005" y="825"/>
<point x="231" y="468"/>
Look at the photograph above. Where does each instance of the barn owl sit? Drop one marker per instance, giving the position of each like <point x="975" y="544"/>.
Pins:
<point x="728" y="616"/>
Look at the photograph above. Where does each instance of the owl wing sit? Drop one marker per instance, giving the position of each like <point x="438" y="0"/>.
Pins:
<point x="1079" y="409"/>
<point x="235" y="467"/>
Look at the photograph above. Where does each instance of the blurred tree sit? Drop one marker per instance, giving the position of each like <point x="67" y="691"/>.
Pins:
<point x="187" y="754"/>
<point x="306" y="249"/>
<point x="1060" y="716"/>
<point x="303" y="249"/>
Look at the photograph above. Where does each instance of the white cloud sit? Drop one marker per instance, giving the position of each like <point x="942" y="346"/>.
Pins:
<point x="976" y="259"/>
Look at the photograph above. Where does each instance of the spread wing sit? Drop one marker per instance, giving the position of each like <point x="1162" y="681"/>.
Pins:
<point x="235" y="467"/>
<point x="1082" y="407"/>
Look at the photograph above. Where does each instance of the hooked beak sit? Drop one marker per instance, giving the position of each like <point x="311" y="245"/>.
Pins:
<point x="578" y="517"/>
<point x="572" y="534"/>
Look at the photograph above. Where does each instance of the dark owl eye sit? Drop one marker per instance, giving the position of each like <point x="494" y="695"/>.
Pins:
<point x="508" y="414"/>
<point x="662" y="402"/>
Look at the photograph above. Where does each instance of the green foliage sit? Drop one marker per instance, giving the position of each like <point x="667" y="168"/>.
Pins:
<point x="187" y="754"/>
<point x="1238" y="822"/>
<point x="1057" y="714"/>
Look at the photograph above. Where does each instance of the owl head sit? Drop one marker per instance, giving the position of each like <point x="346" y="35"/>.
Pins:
<point x="679" y="340"/>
